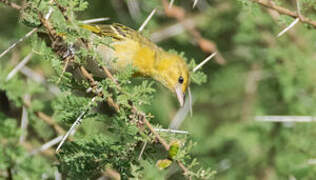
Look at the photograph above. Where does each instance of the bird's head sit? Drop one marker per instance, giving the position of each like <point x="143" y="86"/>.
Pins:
<point x="173" y="73"/>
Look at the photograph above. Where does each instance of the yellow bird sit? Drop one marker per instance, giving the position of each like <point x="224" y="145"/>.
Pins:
<point x="129" y="47"/>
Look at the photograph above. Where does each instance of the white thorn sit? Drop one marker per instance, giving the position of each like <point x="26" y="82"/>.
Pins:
<point x="142" y="151"/>
<point x="29" y="73"/>
<point x="19" y="66"/>
<point x="311" y="161"/>
<point x="171" y="131"/>
<point x="190" y="101"/>
<point x="171" y="4"/>
<point x="195" y="3"/>
<point x="28" y="34"/>
<point x="47" y="145"/>
<point x="298" y="8"/>
<point x="166" y="33"/>
<point x="58" y="175"/>
<point x="88" y="21"/>
<point x="147" y="20"/>
<point x="180" y="115"/>
<point x="133" y="8"/>
<point x="288" y="28"/>
<point x="34" y="76"/>
<point x="17" y="42"/>
<point x="50" y="11"/>
<point x="74" y="125"/>
<point x="203" y="62"/>
<point x="285" y="118"/>
<point x="24" y="120"/>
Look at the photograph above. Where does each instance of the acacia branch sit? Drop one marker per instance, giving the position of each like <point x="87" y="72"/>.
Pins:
<point x="206" y="45"/>
<point x="47" y="119"/>
<point x="11" y="4"/>
<point x="57" y="46"/>
<point x="285" y="11"/>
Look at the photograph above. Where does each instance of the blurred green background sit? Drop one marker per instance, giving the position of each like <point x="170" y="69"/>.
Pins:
<point x="263" y="75"/>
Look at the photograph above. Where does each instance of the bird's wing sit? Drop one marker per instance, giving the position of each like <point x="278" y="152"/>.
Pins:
<point x="120" y="32"/>
<point x="116" y="31"/>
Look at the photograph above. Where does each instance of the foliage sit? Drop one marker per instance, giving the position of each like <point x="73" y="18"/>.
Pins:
<point x="263" y="75"/>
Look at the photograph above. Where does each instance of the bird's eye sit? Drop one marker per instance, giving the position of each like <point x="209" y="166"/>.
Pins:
<point x="180" y="79"/>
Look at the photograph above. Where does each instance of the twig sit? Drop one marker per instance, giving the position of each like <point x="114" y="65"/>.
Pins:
<point x="206" y="45"/>
<point x="110" y="174"/>
<point x="11" y="4"/>
<point x="285" y="11"/>
<point x="50" y="122"/>
<point x="19" y="66"/>
<point x="147" y="20"/>
<point x="161" y="140"/>
<point x="204" y="61"/>
<point x="46" y="119"/>
<point x="99" y="93"/>
<point x="109" y="75"/>
<point x="62" y="10"/>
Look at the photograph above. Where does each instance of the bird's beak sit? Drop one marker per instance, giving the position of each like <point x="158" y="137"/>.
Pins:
<point x="180" y="94"/>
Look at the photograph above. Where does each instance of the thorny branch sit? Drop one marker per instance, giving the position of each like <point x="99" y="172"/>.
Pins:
<point x="11" y="4"/>
<point x="47" y="119"/>
<point x="299" y="41"/>
<point x="206" y="45"/>
<point x="60" y="51"/>
<point x="285" y="11"/>
<point x="26" y="35"/>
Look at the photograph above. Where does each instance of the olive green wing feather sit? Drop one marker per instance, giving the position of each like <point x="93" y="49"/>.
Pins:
<point x="116" y="31"/>
<point x="119" y="32"/>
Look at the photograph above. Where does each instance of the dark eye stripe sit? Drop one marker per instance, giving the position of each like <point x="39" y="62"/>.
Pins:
<point x="180" y="80"/>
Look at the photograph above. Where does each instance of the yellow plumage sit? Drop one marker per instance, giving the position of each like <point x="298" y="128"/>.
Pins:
<point x="131" y="48"/>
